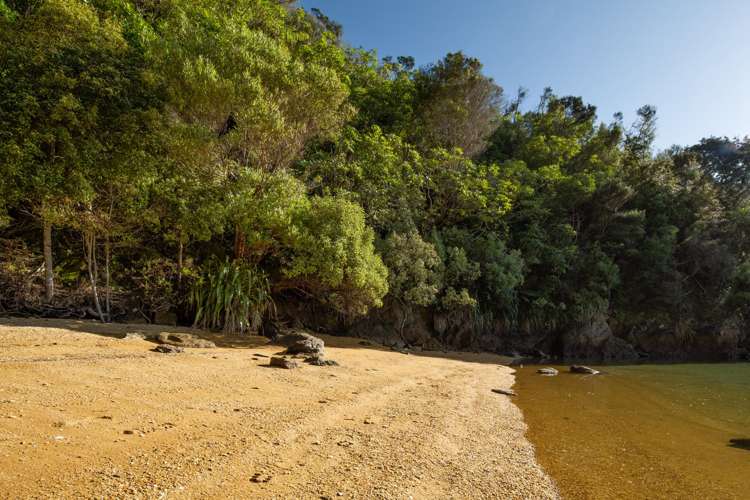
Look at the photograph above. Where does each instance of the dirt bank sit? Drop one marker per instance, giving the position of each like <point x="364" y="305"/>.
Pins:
<point x="86" y="414"/>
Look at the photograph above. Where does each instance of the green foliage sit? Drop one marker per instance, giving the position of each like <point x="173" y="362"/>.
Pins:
<point x="380" y="172"/>
<point x="156" y="284"/>
<point x="253" y="72"/>
<point x="737" y="297"/>
<point x="232" y="296"/>
<point x="414" y="268"/>
<point x="457" y="106"/>
<point x="243" y="134"/>
<point x="333" y="251"/>
<point x="321" y="245"/>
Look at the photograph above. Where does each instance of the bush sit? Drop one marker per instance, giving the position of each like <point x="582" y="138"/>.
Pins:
<point x="232" y="296"/>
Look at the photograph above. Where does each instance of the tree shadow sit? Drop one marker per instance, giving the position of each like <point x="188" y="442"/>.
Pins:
<point x="740" y="443"/>
<point x="222" y="340"/>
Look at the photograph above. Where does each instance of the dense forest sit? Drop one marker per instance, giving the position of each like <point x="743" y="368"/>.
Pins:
<point x="232" y="164"/>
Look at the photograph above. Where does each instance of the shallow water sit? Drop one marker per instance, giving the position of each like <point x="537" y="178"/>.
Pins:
<point x="647" y="431"/>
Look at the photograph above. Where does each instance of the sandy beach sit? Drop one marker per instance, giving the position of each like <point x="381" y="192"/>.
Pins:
<point x="86" y="414"/>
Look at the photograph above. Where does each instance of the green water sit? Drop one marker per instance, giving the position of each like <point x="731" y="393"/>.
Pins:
<point x="647" y="431"/>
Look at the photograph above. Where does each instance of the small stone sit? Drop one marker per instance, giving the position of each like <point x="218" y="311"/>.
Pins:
<point x="505" y="392"/>
<point x="260" y="477"/>
<point x="318" y="359"/>
<point x="287" y="364"/>
<point x="128" y="431"/>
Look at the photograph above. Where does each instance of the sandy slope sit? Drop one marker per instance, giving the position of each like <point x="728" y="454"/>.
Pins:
<point x="205" y="422"/>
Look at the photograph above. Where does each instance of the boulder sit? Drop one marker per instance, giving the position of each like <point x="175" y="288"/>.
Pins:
<point x="168" y="349"/>
<point x="549" y="372"/>
<point x="301" y="343"/>
<point x="184" y="340"/>
<point x="583" y="370"/>
<point x="278" y="362"/>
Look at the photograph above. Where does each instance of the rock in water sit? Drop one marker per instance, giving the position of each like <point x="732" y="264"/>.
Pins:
<point x="168" y="349"/>
<point x="583" y="369"/>
<point x="283" y="363"/>
<point x="184" y="340"/>
<point x="301" y="343"/>
<point x="506" y="392"/>
<point x="549" y="372"/>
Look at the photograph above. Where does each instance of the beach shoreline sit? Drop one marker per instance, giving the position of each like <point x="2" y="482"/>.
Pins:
<point x="86" y="413"/>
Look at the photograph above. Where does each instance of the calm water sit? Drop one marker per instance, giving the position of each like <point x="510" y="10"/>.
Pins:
<point x="648" y="431"/>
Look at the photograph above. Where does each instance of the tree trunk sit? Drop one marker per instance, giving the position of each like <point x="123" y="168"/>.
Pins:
<point x="240" y="248"/>
<point x="49" y="275"/>
<point x="107" y="294"/>
<point x="89" y="242"/>
<point x="179" y="260"/>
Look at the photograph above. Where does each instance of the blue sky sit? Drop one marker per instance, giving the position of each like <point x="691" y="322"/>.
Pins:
<point x="689" y="58"/>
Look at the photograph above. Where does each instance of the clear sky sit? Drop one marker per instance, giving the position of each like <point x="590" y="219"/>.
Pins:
<point x="689" y="58"/>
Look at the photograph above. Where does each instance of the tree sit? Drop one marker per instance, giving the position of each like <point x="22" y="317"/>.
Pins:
<point x="457" y="106"/>
<point x="73" y="102"/>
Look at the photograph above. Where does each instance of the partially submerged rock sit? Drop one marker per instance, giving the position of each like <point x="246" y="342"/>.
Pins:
<point x="168" y="349"/>
<point x="279" y="362"/>
<point x="505" y="392"/>
<point x="548" y="372"/>
<point x="301" y="343"/>
<point x="583" y="370"/>
<point x="184" y="340"/>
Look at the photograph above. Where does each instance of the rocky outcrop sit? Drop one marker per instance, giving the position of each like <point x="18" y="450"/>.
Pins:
<point x="600" y="340"/>
<point x="595" y="341"/>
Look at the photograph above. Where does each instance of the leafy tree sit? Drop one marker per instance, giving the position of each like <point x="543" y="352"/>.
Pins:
<point x="414" y="268"/>
<point x="379" y="171"/>
<point x="457" y="106"/>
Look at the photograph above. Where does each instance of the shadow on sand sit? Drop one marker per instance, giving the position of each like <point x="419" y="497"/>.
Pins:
<point x="120" y="330"/>
<point x="741" y="443"/>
